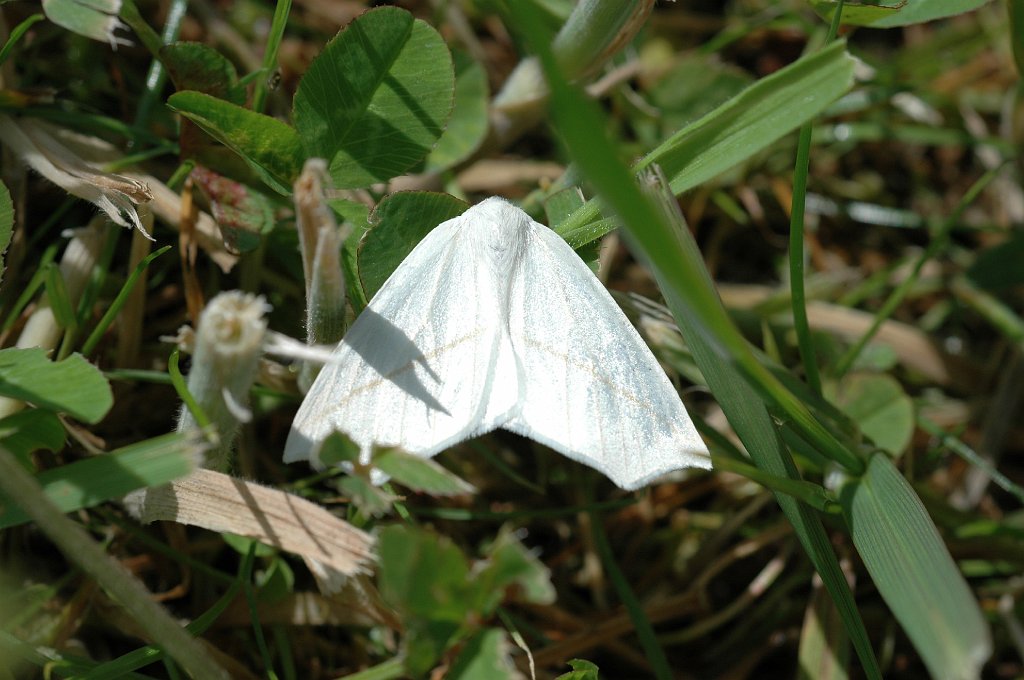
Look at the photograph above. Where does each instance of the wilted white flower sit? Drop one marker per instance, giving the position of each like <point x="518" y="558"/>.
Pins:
<point x="96" y="19"/>
<point x="115" y="195"/>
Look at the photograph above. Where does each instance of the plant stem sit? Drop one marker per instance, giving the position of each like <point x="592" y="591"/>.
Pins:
<point x="320" y="243"/>
<point x="149" y="38"/>
<point x="121" y="585"/>
<point x="228" y="344"/>
<point x="644" y="630"/>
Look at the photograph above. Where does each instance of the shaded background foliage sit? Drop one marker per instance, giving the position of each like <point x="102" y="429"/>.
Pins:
<point x="913" y="217"/>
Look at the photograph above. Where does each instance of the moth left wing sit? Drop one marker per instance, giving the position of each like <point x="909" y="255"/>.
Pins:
<point x="417" y="367"/>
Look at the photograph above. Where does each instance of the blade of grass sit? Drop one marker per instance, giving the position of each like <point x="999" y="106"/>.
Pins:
<point x="808" y="493"/>
<point x="16" y="33"/>
<point x="63" y="311"/>
<point x="720" y="351"/>
<point x="57" y="664"/>
<point x="259" y="94"/>
<point x="97" y="276"/>
<point x="644" y="630"/>
<point x="1002" y="316"/>
<point x="473" y="515"/>
<point x="388" y="670"/>
<point x="734" y="131"/>
<point x="150" y="542"/>
<point x="961" y="449"/>
<point x="798" y="297"/>
<point x="504" y="468"/>
<point x="157" y="75"/>
<point x="254" y="617"/>
<point x="119" y="302"/>
<point x="37" y="281"/>
<point x="87" y="121"/>
<point x="60" y="301"/>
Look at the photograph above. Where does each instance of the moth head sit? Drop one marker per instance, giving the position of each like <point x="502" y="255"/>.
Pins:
<point x="501" y="230"/>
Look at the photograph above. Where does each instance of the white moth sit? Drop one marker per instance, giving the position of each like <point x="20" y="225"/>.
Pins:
<point x="493" y="321"/>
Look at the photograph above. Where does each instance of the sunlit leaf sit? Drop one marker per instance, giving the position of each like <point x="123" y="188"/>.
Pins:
<point x="72" y="386"/>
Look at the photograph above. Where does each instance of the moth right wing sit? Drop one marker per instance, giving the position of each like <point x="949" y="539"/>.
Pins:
<point x="592" y="389"/>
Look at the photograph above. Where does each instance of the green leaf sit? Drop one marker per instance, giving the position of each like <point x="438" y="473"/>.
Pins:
<point x="920" y="11"/>
<point x="915" y="573"/>
<point x="510" y="563"/>
<point x="6" y="224"/>
<point x="420" y="474"/>
<point x="734" y="131"/>
<point x="398" y="223"/>
<point x="878" y="404"/>
<point x="561" y="204"/>
<point x="423" y="574"/>
<point x="109" y="476"/>
<point x="559" y="207"/>
<point x="426" y="578"/>
<point x="72" y="386"/>
<point x="338" y="448"/>
<point x="30" y="430"/>
<point x="370" y="499"/>
<point x="276" y="582"/>
<point x="243" y="544"/>
<point x="697" y="83"/>
<point x="855" y="13"/>
<point x="1016" y="34"/>
<point x="242" y="213"/>
<point x="998" y="268"/>
<point x="485" y="655"/>
<point x="468" y="124"/>
<point x="755" y="118"/>
<point x="271" y="148"/>
<point x="199" y="67"/>
<point x="377" y="98"/>
<point x="581" y="670"/>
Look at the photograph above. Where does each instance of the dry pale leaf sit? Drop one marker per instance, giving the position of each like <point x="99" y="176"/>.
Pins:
<point x="219" y="502"/>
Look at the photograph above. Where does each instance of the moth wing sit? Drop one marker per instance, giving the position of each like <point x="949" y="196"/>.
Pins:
<point x="592" y="390"/>
<point x="417" y="366"/>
